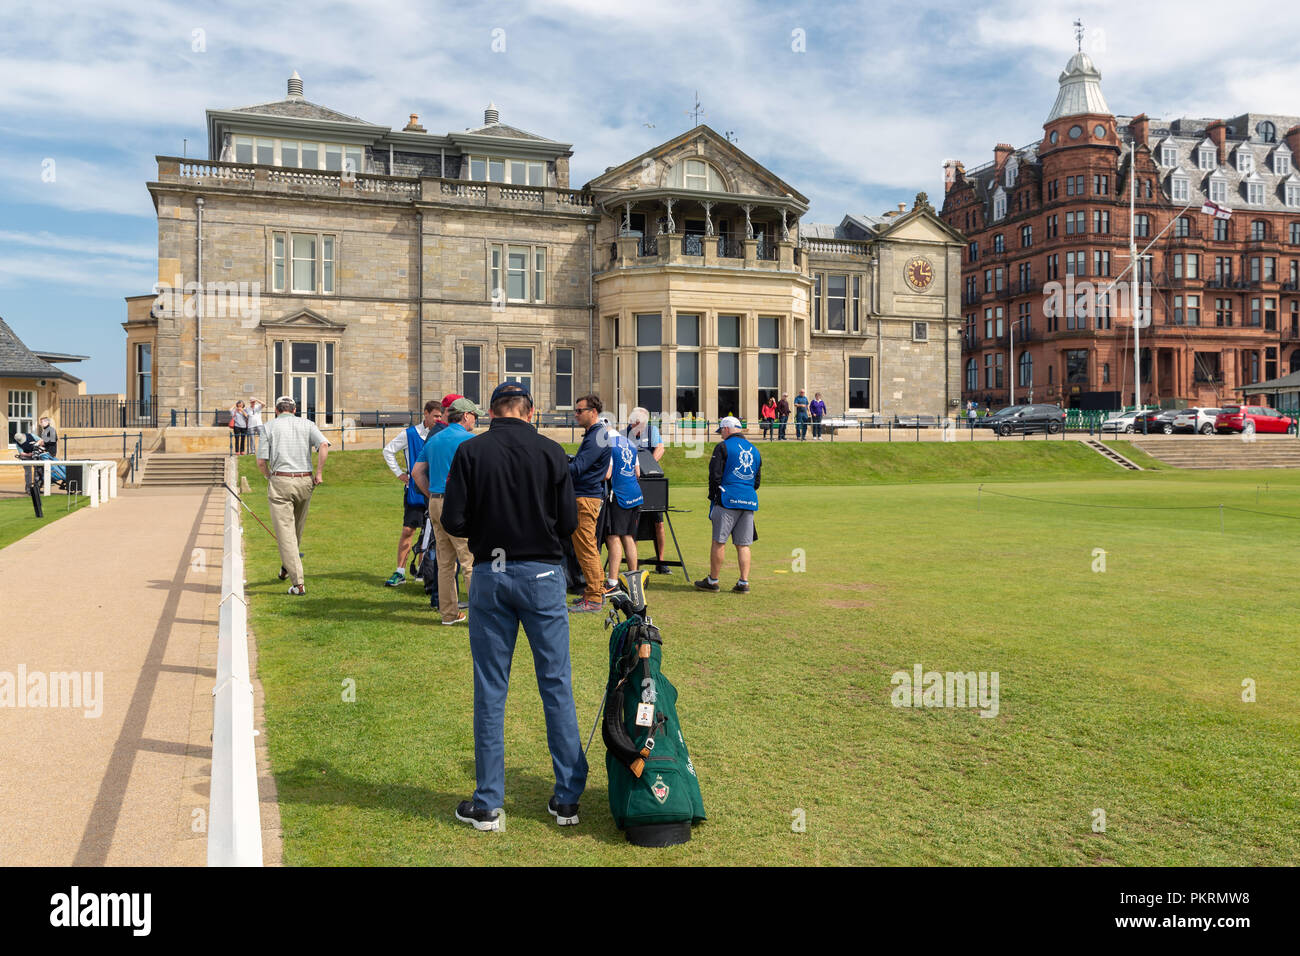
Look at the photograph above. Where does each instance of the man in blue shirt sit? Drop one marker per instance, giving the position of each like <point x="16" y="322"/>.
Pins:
<point x="430" y="476"/>
<point x="623" y="514"/>
<point x="735" y="471"/>
<point x="587" y="470"/>
<point x="801" y="415"/>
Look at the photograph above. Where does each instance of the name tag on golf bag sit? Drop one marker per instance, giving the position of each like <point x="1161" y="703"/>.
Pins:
<point x="654" y="794"/>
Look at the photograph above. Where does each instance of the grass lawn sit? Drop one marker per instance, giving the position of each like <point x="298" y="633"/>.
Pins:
<point x="18" y="519"/>
<point x="1120" y="690"/>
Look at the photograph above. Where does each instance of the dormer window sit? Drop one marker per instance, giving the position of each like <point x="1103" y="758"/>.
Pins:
<point x="999" y="204"/>
<point x="1281" y="162"/>
<point x="1266" y="131"/>
<point x="1255" y="193"/>
<point x="1245" y="160"/>
<point x="1293" y="195"/>
<point x="1178" y="186"/>
<point x="1218" y="190"/>
<point x="696" y="174"/>
<point x="1168" y="155"/>
<point x="1012" y="169"/>
<point x="1207" y="157"/>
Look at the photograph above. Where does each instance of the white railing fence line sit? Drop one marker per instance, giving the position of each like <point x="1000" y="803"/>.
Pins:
<point x="234" y="811"/>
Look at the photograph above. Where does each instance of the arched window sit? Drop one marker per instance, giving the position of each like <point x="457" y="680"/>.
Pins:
<point x="1267" y="131"/>
<point x="1295" y="361"/>
<point x="1026" y="363"/>
<point x="696" y="174"/>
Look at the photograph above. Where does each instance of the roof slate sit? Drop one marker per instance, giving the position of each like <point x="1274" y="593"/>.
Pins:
<point x="18" y="361"/>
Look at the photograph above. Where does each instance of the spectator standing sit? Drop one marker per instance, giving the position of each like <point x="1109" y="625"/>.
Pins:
<point x="510" y="493"/>
<point x="801" y="415"/>
<point x="587" y="472"/>
<point x="818" y="411"/>
<point x="623" y="514"/>
<point x="49" y="436"/>
<point x="783" y="414"/>
<point x="285" y="459"/>
<point x="430" y="474"/>
<point x="735" y="471"/>
<point x="970" y="414"/>
<point x="255" y="407"/>
<point x="645" y="437"/>
<point x="410" y="442"/>
<point x="239" y="423"/>
<point x="767" y="416"/>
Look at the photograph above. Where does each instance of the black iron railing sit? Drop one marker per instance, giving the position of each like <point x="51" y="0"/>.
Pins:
<point x="647" y="246"/>
<point x="692" y="245"/>
<point x="89" y="412"/>
<point x="730" y="247"/>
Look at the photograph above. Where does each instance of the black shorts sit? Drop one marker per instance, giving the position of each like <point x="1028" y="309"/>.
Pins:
<point x="621" y="521"/>
<point x="412" y="515"/>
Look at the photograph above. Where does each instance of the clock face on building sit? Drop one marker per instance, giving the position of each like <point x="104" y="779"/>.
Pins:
<point x="919" y="273"/>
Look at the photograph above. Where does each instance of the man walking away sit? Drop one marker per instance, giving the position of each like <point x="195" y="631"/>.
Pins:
<point x="783" y="414"/>
<point x="624" y="512"/>
<point x="645" y="437"/>
<point x="430" y="474"/>
<point x="818" y="412"/>
<point x="255" y="425"/>
<point x="285" y="459"/>
<point x="801" y="415"/>
<point x="509" y="492"/>
<point x="587" y="472"/>
<point x="410" y="442"/>
<point x="735" y="471"/>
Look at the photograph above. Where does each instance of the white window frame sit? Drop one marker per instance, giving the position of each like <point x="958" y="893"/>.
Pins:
<point x="464" y="348"/>
<point x="281" y="278"/>
<point x="533" y="169"/>
<point x="15" y="412"/>
<point x="1168" y="155"/>
<point x="1281" y="161"/>
<point x="1245" y="160"/>
<point x="1180" y="187"/>
<point x="999" y="205"/>
<point x="557" y="375"/>
<point x="920" y="331"/>
<point x="1255" y="194"/>
<point x="1293" y="195"/>
<point x="1218" y="190"/>
<point x="499" y="272"/>
<point x="1207" y="158"/>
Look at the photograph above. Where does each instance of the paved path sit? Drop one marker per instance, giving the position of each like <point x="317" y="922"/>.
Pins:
<point x="128" y="591"/>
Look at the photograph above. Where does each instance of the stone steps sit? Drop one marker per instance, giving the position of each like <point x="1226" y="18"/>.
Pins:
<point x="1226" y="452"/>
<point x="160" y="470"/>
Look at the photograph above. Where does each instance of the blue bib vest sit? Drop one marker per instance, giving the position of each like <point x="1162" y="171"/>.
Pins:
<point x="743" y="461"/>
<point x="414" y="445"/>
<point x="627" y="490"/>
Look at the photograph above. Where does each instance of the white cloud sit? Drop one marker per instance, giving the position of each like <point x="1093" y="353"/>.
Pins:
<point x="88" y="272"/>
<point x="47" y="240"/>
<point x="65" y="180"/>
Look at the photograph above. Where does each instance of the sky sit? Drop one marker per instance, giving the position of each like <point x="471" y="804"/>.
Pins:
<point x="856" y="105"/>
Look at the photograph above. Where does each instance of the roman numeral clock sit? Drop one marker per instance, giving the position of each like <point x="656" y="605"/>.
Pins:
<point x="919" y="273"/>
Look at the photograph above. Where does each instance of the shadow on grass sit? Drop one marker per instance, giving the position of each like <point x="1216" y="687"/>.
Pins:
<point x="320" y="783"/>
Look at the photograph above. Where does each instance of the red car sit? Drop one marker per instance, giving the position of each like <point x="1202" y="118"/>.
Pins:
<point x="1252" y="418"/>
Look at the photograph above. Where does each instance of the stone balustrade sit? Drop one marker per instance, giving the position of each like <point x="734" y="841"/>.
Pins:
<point x="276" y="179"/>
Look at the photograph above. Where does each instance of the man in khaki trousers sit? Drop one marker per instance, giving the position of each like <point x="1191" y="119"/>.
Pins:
<point x="430" y="475"/>
<point x="284" y="457"/>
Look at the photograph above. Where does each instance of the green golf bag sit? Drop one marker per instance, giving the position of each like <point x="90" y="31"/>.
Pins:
<point x="654" y="794"/>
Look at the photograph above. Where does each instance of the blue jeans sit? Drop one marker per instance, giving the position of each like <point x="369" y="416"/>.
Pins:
<point x="529" y="593"/>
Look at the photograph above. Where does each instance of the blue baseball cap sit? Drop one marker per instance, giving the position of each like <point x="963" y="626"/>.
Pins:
<point x="510" y="390"/>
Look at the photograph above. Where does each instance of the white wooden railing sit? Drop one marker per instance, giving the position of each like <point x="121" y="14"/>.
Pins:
<point x="100" y="476"/>
<point x="234" y="813"/>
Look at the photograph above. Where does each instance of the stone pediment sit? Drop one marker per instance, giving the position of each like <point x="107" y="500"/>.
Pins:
<point x="919" y="225"/>
<point x="654" y="169"/>
<point x="303" y="320"/>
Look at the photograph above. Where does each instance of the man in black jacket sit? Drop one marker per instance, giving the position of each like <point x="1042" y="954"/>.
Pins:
<point x="510" y="493"/>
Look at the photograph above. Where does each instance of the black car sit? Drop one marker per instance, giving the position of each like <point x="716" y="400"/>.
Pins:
<point x="1025" y="418"/>
<point x="1156" y="423"/>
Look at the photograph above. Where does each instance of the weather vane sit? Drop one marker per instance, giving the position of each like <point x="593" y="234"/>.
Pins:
<point x="1078" y="34"/>
<point x="696" y="113"/>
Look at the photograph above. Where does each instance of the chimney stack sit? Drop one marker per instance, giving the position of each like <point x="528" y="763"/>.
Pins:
<point x="1218" y="134"/>
<point x="1001" y="153"/>
<point x="491" y="115"/>
<point x="1292" y="140"/>
<point x="952" y="168"/>
<point x="1140" y="126"/>
<point x="414" y="125"/>
<point x="295" y="87"/>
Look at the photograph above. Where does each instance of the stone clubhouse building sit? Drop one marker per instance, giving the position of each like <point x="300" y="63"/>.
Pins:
<point x="362" y="268"/>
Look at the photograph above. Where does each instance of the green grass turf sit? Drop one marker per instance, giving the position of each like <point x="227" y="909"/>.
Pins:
<point x="18" y="518"/>
<point x="1119" y="690"/>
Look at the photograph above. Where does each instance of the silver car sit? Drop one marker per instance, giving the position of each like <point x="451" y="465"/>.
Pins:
<point x="1199" y="420"/>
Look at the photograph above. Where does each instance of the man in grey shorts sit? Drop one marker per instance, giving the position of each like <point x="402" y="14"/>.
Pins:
<point x="735" y="471"/>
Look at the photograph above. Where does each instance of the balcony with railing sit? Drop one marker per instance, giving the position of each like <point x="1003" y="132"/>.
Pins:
<point x="257" y="178"/>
